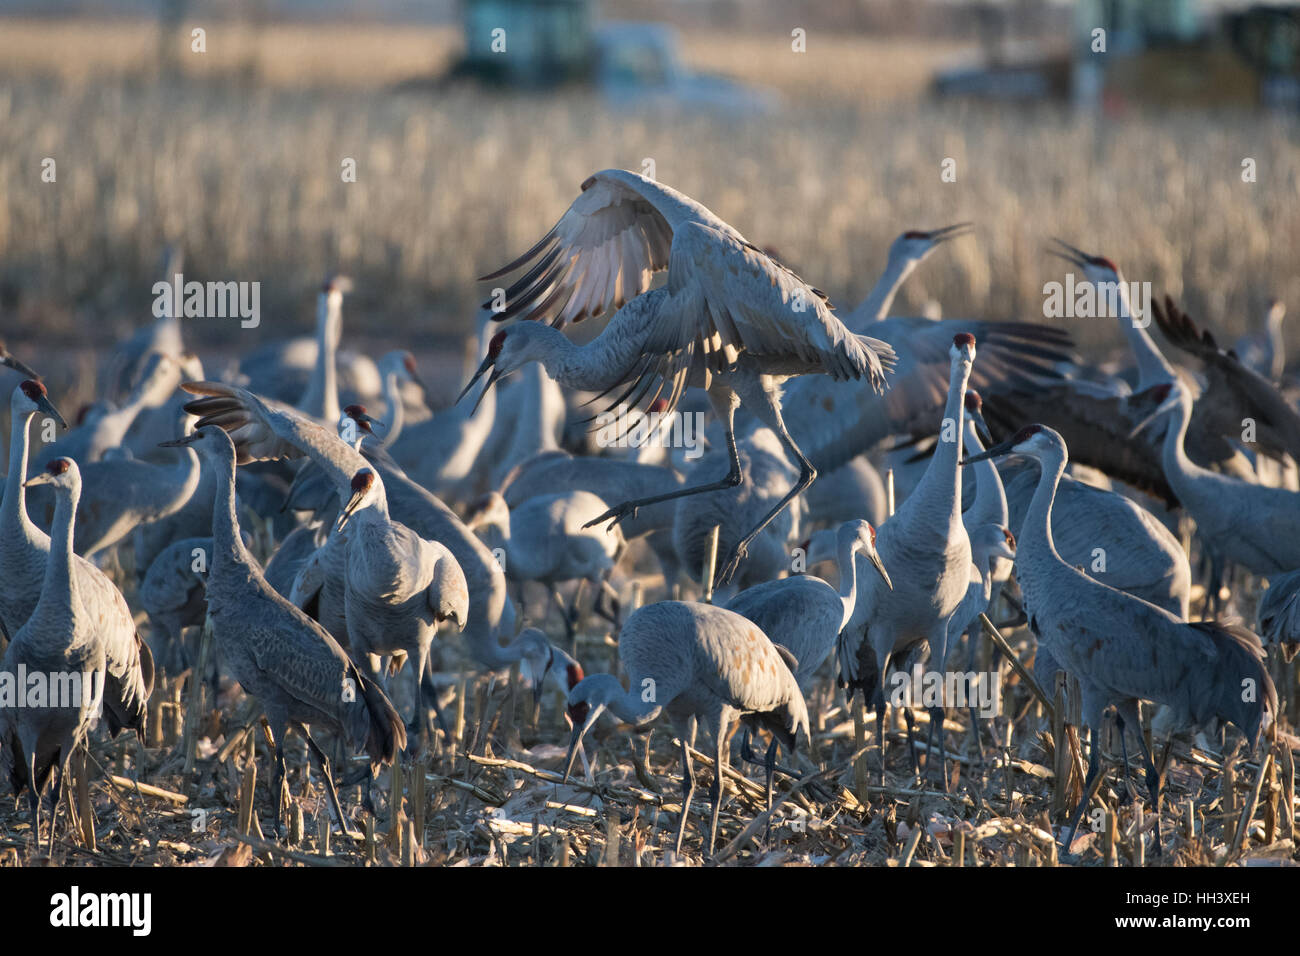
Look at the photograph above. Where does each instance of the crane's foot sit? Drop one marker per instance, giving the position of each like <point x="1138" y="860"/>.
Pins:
<point x="614" y="515"/>
<point x="732" y="565"/>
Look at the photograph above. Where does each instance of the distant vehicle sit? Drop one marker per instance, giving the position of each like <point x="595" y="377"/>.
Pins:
<point x="548" y="43"/>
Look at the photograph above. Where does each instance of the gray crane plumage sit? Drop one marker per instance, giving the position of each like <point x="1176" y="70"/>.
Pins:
<point x="697" y="663"/>
<point x="297" y="671"/>
<point x="1121" y="649"/>
<point x="66" y="638"/>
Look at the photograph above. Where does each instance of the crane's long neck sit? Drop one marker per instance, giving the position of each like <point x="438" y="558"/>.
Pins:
<point x="990" y="504"/>
<point x="1036" y="533"/>
<point x="227" y="545"/>
<point x="396" y="409"/>
<point x="1153" y="368"/>
<point x="875" y="306"/>
<point x="848" y="580"/>
<point x="13" y="513"/>
<point x="1179" y="469"/>
<point x="630" y="708"/>
<point x="59" y="593"/>
<point x="940" y="486"/>
<point x="322" y="397"/>
<point x="607" y="360"/>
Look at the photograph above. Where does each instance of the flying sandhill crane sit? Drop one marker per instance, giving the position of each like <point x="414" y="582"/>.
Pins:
<point x="110" y="668"/>
<point x="10" y="362"/>
<point x="375" y="584"/>
<point x="547" y="539"/>
<point x="297" y="672"/>
<point x="1279" y="614"/>
<point x="698" y="663"/>
<point x="729" y="319"/>
<point x="926" y="548"/>
<point x="1121" y="649"/>
<point x="1252" y="525"/>
<point x="905" y="253"/>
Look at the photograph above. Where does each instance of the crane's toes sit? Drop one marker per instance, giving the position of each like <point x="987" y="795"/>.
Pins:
<point x="728" y="570"/>
<point x="614" y="516"/>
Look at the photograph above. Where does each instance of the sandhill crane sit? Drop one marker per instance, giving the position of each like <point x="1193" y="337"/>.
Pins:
<point x="110" y="668"/>
<point x="803" y="613"/>
<point x="547" y="539"/>
<point x="1279" y="614"/>
<point x="926" y="548"/>
<point x="1121" y="649"/>
<point x="1265" y="350"/>
<point x="10" y="362"/>
<point x="905" y="253"/>
<point x="297" y="672"/>
<point x="729" y="319"/>
<point x="529" y="420"/>
<point x="698" y="663"/>
<point x="380" y="587"/>
<point x="104" y="429"/>
<point x="24" y="546"/>
<point x="321" y="399"/>
<point x="1253" y="525"/>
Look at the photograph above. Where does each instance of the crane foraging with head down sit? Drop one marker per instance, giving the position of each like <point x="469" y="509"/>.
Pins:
<point x="730" y="319"/>
<point x="698" y="663"/>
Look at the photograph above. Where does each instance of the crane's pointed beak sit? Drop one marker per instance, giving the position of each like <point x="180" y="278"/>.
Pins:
<point x="47" y="406"/>
<point x="40" y="478"/>
<point x="952" y="232"/>
<point x="349" y="510"/>
<point x="372" y="422"/>
<point x="880" y="566"/>
<point x="981" y="426"/>
<point x="178" y="442"/>
<point x="22" y="368"/>
<point x="575" y="739"/>
<point x="488" y="363"/>
<point x="1063" y="250"/>
<point x="995" y="452"/>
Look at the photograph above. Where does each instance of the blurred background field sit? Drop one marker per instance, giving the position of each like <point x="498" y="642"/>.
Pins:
<point x="236" y="153"/>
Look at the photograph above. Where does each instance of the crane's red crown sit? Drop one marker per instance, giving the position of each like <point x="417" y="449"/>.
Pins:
<point x="1011" y="538"/>
<point x="494" y="346"/>
<point x="973" y="401"/>
<point x="963" y="338"/>
<point x="573" y="675"/>
<point x="1026" y="433"/>
<point x="58" y="466"/>
<point x="32" y="390"/>
<point x="916" y="234"/>
<point x="659" y="405"/>
<point x="578" y="713"/>
<point x="1104" y="263"/>
<point x="408" y="360"/>
<point x="362" y="480"/>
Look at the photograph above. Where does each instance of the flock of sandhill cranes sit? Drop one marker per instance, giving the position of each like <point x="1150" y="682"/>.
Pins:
<point x="370" y="562"/>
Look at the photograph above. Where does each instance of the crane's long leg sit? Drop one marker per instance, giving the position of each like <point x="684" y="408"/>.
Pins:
<point x="417" y="731"/>
<point x="688" y="783"/>
<point x="59" y="771"/>
<point x="1090" y="783"/>
<point x="879" y="703"/>
<point x="324" y="764"/>
<point x="34" y="799"/>
<point x="769" y="764"/>
<point x="719" y="768"/>
<point x="430" y="690"/>
<point x="767" y="409"/>
<point x="1153" y="777"/>
<point x="727" y="413"/>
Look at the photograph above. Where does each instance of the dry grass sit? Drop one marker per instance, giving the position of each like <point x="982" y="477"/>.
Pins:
<point x="452" y="180"/>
